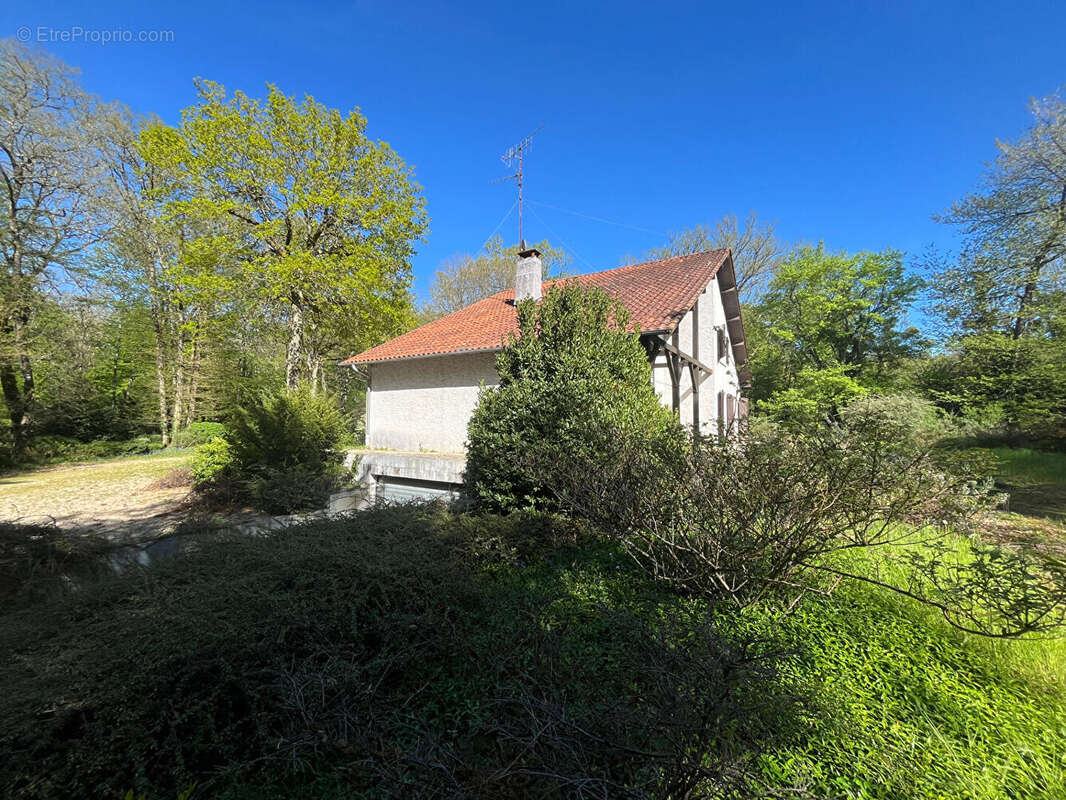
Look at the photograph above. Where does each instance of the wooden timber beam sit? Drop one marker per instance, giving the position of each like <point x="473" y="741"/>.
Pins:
<point x="687" y="358"/>
<point x="676" y="362"/>
<point x="693" y="375"/>
<point x="672" y="353"/>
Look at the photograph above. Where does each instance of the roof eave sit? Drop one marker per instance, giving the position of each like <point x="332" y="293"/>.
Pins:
<point x="734" y="319"/>
<point x="396" y="359"/>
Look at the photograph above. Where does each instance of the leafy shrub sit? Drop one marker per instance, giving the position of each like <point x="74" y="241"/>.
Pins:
<point x="906" y="417"/>
<point x="199" y="433"/>
<point x="574" y="375"/>
<point x="1018" y="383"/>
<point x="817" y="394"/>
<point x="281" y="454"/>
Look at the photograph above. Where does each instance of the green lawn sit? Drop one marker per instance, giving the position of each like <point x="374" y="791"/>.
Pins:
<point x="910" y="708"/>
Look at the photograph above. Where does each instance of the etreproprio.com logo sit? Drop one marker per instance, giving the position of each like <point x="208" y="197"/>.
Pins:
<point x="45" y="34"/>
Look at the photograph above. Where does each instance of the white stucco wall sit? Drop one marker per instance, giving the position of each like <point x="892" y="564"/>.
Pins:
<point x="424" y="404"/>
<point x="711" y="316"/>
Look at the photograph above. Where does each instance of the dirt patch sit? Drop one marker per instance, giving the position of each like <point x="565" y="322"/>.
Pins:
<point x="1040" y="535"/>
<point x="124" y="499"/>
<point x="181" y="478"/>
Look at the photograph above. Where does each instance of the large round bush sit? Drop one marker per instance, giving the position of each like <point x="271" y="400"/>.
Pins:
<point x="574" y="379"/>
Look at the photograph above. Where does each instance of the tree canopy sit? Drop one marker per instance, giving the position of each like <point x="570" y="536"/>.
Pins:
<point x="326" y="218"/>
<point x="757" y="252"/>
<point x="1015" y="225"/>
<point x="830" y="323"/>
<point x="52" y="145"/>
<point x="465" y="278"/>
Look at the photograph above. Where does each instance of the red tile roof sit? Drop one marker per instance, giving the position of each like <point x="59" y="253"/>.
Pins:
<point x="658" y="294"/>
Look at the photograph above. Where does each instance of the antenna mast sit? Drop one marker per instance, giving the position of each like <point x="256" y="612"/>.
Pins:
<point x="516" y="154"/>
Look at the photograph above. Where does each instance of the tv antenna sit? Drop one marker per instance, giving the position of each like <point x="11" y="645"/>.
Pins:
<point x="516" y="155"/>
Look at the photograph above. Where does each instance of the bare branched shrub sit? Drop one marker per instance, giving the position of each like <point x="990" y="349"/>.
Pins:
<point x="771" y="512"/>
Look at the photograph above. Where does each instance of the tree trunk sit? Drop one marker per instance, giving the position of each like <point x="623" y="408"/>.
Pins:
<point x="159" y="329"/>
<point x="16" y="411"/>
<point x="293" y="352"/>
<point x="1026" y="300"/>
<point x="315" y="373"/>
<point x="29" y="393"/>
<point x="114" y="383"/>
<point x="179" y="386"/>
<point x="194" y="381"/>
<point x="19" y="399"/>
<point x="161" y="380"/>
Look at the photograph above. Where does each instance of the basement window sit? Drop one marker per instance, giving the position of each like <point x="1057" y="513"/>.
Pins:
<point x="406" y="490"/>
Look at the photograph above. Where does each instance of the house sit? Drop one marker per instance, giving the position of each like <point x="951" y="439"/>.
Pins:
<point x="422" y="387"/>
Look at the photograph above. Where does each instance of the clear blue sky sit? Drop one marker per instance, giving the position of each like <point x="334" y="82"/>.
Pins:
<point x="848" y="122"/>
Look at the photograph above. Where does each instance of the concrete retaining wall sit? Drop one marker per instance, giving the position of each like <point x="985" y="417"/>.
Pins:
<point x="371" y="466"/>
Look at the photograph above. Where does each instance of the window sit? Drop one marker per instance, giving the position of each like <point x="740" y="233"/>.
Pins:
<point x="722" y="352"/>
<point x="402" y="490"/>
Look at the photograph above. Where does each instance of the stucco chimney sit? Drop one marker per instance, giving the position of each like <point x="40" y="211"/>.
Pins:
<point x="527" y="275"/>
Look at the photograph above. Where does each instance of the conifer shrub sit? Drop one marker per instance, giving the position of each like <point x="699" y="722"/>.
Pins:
<point x="281" y="453"/>
<point x="199" y="433"/>
<point x="212" y="462"/>
<point x="574" y="378"/>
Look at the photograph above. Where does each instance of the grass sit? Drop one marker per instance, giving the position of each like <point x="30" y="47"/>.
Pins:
<point x="911" y="708"/>
<point x="46" y="480"/>
<point x="1022" y="466"/>
<point x="407" y="650"/>
<point x="1036" y="481"/>
<point x="123" y="498"/>
<point x="411" y="652"/>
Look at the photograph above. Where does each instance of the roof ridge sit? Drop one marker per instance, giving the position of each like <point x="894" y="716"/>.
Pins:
<point x="622" y="268"/>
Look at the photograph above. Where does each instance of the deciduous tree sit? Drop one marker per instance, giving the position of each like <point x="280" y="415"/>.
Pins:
<point x="841" y="309"/>
<point x="757" y="252"/>
<point x="51" y="169"/>
<point x="1015" y="224"/>
<point x="327" y="215"/>
<point x="181" y="267"/>
<point x="831" y="322"/>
